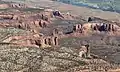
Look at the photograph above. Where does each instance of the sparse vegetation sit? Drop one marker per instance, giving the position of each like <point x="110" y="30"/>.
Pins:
<point x="31" y="45"/>
<point x="110" y="5"/>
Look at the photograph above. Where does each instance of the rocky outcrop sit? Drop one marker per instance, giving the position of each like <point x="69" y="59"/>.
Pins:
<point x="29" y="57"/>
<point x="16" y="5"/>
<point x="12" y="5"/>
<point x="33" y="40"/>
<point x="84" y="51"/>
<point x="4" y="6"/>
<point x="6" y="16"/>
<point x="98" y="27"/>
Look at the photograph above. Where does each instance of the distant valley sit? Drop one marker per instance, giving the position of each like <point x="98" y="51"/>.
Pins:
<point x="105" y="5"/>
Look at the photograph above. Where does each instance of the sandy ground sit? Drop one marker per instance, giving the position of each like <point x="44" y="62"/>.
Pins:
<point x="86" y="12"/>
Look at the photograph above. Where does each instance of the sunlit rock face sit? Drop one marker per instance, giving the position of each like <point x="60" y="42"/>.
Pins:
<point x="4" y="6"/>
<point x="97" y="27"/>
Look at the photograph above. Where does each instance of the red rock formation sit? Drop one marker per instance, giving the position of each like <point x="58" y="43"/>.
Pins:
<point x="78" y="28"/>
<point x="6" y="16"/>
<point x="15" y="5"/>
<point x="84" y="51"/>
<point x="95" y="27"/>
<point x="4" y="6"/>
<point x="34" y="40"/>
<point x="12" y="5"/>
